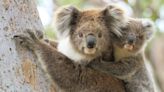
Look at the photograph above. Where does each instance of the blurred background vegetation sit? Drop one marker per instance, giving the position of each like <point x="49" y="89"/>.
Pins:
<point x="153" y="9"/>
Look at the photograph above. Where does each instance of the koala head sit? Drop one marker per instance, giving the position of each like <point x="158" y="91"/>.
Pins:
<point x="84" y="35"/>
<point x="135" y="34"/>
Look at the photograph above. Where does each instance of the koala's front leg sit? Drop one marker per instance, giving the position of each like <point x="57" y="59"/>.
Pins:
<point x="121" y="69"/>
<point x="60" y="69"/>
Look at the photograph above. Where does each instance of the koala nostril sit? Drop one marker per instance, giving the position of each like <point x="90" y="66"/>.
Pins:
<point x="91" y="41"/>
<point x="91" y="44"/>
<point x="131" y="39"/>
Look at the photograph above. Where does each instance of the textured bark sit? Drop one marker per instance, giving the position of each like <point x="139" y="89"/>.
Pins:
<point x="18" y="69"/>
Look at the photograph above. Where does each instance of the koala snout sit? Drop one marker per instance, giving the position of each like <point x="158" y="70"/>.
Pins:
<point x="131" y="39"/>
<point x="91" y="41"/>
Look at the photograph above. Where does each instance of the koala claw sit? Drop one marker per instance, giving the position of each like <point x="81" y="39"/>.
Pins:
<point x="39" y="34"/>
<point x="28" y="39"/>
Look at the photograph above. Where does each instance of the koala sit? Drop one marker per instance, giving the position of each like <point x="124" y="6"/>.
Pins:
<point x="83" y="36"/>
<point x="52" y="43"/>
<point x="90" y="38"/>
<point x="128" y="51"/>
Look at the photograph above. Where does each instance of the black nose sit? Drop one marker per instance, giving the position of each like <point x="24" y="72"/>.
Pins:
<point x="131" y="39"/>
<point x="91" y="41"/>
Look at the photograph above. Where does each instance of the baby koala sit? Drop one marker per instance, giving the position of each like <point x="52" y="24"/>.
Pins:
<point x="128" y="51"/>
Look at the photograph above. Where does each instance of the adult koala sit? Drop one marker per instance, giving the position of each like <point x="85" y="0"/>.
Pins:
<point x="87" y="35"/>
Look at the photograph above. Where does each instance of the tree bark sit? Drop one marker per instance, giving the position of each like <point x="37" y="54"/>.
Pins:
<point x="19" y="71"/>
<point x="157" y="58"/>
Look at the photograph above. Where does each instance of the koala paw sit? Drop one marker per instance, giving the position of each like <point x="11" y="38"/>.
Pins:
<point x="94" y="64"/>
<point x="39" y="34"/>
<point x="27" y="39"/>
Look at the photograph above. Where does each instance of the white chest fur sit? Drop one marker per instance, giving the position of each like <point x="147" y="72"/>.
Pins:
<point x="66" y="48"/>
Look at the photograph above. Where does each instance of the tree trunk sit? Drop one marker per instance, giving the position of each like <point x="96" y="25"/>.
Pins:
<point x="157" y="57"/>
<point x="18" y="69"/>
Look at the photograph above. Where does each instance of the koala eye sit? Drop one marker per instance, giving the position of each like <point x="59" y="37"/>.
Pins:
<point x="100" y="35"/>
<point x="124" y="28"/>
<point x="80" y="35"/>
<point x="141" y="36"/>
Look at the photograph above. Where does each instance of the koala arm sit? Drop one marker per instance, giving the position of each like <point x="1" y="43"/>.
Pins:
<point x="67" y="75"/>
<point x="55" y="64"/>
<point x="120" y="69"/>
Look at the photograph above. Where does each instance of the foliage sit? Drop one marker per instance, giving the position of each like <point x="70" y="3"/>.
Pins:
<point x="72" y="2"/>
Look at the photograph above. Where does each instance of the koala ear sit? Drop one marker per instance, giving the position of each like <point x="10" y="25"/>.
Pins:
<point x="147" y="23"/>
<point x="114" y="11"/>
<point x="149" y="28"/>
<point x="115" y="18"/>
<point x="65" y="18"/>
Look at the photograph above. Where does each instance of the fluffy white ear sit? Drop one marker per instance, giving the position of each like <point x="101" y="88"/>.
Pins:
<point x="115" y="11"/>
<point x="115" y="17"/>
<point x="65" y="18"/>
<point x="147" y="23"/>
<point x="149" y="28"/>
